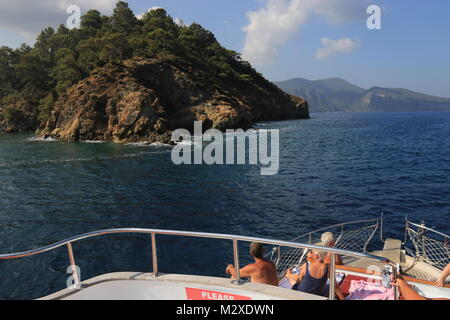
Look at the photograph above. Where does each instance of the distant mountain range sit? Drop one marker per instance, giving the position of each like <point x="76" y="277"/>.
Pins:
<point x="338" y="95"/>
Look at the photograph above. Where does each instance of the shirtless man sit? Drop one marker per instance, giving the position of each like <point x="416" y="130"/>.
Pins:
<point x="262" y="271"/>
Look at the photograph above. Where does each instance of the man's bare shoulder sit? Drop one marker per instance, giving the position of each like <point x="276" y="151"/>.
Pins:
<point x="251" y="266"/>
<point x="260" y="264"/>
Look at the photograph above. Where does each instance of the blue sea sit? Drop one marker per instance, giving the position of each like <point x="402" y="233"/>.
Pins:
<point x="335" y="167"/>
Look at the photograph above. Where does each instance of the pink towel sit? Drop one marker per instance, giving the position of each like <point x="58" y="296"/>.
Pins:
<point x="362" y="290"/>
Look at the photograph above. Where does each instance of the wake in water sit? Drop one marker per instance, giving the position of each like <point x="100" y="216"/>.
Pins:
<point x="40" y="139"/>
<point x="147" y="144"/>
<point x="35" y="163"/>
<point x="93" y="141"/>
<point x="159" y="148"/>
<point x="135" y="144"/>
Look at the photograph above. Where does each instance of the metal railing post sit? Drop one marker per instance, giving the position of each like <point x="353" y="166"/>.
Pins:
<point x="406" y="230"/>
<point x="332" y="276"/>
<point x="75" y="276"/>
<point x="394" y="279"/>
<point x="154" y="256"/>
<point x="236" y="263"/>
<point x="422" y="242"/>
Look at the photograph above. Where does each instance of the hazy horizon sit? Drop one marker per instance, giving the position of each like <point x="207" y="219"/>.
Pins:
<point x="361" y="87"/>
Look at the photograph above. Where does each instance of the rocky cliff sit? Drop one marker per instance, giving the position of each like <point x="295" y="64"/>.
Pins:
<point x="19" y="117"/>
<point x="145" y="99"/>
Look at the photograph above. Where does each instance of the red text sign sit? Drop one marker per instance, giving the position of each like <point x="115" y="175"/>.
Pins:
<point x="201" y="294"/>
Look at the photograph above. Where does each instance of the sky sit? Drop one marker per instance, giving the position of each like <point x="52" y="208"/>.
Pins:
<point x="284" y="39"/>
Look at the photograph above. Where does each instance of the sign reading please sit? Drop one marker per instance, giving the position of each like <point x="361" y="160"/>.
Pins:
<point x="201" y="294"/>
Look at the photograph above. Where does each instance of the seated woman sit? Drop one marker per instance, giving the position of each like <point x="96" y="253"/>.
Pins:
<point x="313" y="275"/>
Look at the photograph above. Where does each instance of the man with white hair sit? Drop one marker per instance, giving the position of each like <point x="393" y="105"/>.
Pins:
<point x="327" y="240"/>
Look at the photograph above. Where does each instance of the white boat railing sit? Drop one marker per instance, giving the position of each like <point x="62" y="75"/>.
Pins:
<point x="430" y="246"/>
<point x="154" y="232"/>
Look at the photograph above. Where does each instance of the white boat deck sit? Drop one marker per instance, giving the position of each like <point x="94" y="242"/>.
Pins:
<point x="143" y="286"/>
<point x="393" y="251"/>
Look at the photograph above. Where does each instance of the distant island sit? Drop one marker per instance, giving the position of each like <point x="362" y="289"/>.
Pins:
<point x="338" y="95"/>
<point x="128" y="79"/>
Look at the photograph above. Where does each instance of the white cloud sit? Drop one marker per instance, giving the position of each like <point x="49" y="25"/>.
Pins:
<point x="154" y="8"/>
<point x="334" y="47"/>
<point x="279" y="20"/>
<point x="29" y="17"/>
<point x="140" y="16"/>
<point x="179" y="22"/>
<point x="269" y="28"/>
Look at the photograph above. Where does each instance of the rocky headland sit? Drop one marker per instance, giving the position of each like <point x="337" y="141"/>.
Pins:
<point x="121" y="78"/>
<point x="144" y="100"/>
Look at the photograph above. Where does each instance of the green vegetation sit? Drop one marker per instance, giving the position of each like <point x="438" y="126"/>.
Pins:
<point x="9" y="113"/>
<point x="45" y="108"/>
<point x="61" y="58"/>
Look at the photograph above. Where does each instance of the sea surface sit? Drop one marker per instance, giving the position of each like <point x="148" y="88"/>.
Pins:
<point x="335" y="167"/>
